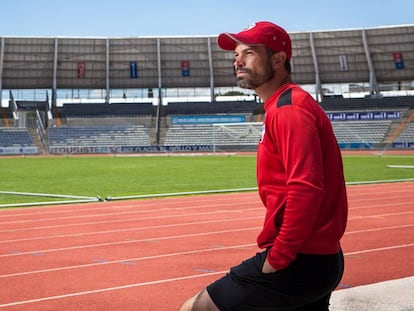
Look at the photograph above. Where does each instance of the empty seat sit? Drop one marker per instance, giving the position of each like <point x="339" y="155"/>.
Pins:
<point x="15" y="137"/>
<point x="98" y="136"/>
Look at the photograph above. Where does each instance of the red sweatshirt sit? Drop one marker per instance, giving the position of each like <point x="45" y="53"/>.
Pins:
<point x="300" y="179"/>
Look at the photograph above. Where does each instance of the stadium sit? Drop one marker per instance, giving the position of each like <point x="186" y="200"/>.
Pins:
<point x="167" y="94"/>
<point x="128" y="166"/>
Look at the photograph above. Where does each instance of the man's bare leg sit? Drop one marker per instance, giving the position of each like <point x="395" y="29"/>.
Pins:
<point x="200" y="302"/>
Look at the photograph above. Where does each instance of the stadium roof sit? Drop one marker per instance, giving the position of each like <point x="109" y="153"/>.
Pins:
<point x="371" y="55"/>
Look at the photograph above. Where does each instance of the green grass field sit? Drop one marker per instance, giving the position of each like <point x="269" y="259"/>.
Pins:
<point x="129" y="176"/>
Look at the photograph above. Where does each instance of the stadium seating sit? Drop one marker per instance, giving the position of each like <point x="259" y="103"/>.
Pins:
<point x="361" y="131"/>
<point x="206" y="134"/>
<point x="120" y="125"/>
<point x="406" y="135"/>
<point x="98" y="136"/>
<point x="15" y="137"/>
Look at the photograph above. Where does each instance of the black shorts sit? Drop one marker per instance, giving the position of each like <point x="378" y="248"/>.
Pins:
<point x="306" y="284"/>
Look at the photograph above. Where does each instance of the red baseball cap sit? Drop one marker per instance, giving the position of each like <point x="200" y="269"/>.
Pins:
<point x="260" y="33"/>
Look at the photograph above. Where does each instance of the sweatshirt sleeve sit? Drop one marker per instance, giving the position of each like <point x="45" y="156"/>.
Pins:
<point x="298" y="139"/>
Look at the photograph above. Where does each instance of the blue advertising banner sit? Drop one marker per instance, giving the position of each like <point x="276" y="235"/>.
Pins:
<point x="403" y="145"/>
<point x="133" y="70"/>
<point x="18" y="150"/>
<point x="207" y="119"/>
<point x="373" y="115"/>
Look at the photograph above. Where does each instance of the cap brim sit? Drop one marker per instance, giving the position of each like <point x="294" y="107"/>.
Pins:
<point x="227" y="41"/>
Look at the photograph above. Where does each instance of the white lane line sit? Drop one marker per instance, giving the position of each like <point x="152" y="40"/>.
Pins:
<point x="100" y="263"/>
<point x="162" y="281"/>
<point x="381" y="215"/>
<point x="79" y="224"/>
<point x="178" y="254"/>
<point x="380" y="249"/>
<point x="130" y="241"/>
<point x="130" y="229"/>
<point x="111" y="289"/>
<point x="138" y="211"/>
<point x="379" y="229"/>
<point x="181" y="208"/>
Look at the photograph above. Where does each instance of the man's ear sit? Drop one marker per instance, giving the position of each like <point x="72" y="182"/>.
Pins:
<point x="278" y="59"/>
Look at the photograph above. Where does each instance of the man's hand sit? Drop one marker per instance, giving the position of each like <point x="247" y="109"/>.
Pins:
<point x="267" y="268"/>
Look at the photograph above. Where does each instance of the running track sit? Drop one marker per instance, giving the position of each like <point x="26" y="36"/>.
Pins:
<point x="152" y="254"/>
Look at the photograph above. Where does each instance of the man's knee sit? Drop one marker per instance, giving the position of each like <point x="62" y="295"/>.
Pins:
<point x="200" y="302"/>
<point x="188" y="304"/>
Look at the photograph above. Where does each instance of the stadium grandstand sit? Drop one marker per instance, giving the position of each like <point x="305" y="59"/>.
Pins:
<point x="65" y="95"/>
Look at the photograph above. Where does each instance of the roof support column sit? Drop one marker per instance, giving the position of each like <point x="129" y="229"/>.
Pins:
<point x="158" y="121"/>
<point x="318" y="88"/>
<point x="159" y="71"/>
<point x="1" y="67"/>
<point x="210" y="65"/>
<point x="107" y="72"/>
<point x="54" y="82"/>
<point x="373" y="86"/>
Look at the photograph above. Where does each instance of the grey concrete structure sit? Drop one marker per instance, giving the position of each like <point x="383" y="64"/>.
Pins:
<point x="374" y="56"/>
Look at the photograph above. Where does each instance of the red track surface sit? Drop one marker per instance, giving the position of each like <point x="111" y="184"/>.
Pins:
<point x="153" y="254"/>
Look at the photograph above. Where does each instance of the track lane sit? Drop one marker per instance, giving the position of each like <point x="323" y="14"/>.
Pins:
<point x="377" y="246"/>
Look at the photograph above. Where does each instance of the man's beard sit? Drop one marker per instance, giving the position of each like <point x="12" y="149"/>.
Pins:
<point x="254" y="80"/>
